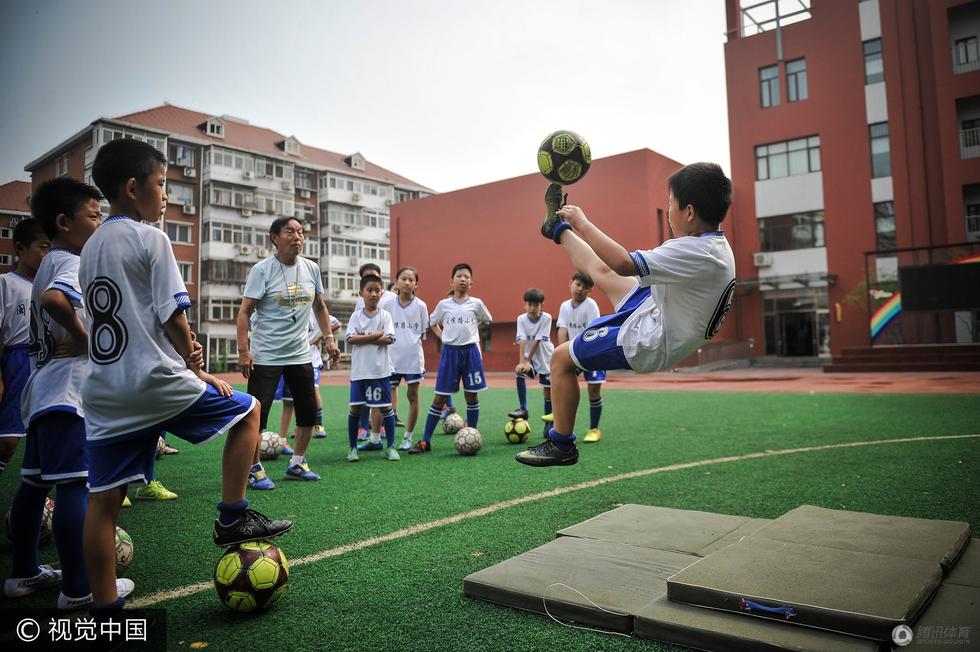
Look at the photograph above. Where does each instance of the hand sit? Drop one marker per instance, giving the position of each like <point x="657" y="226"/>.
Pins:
<point x="524" y="368"/>
<point x="71" y="347"/>
<point x="245" y="363"/>
<point x="195" y="360"/>
<point x="333" y="353"/>
<point x="573" y="215"/>
<point x="223" y="388"/>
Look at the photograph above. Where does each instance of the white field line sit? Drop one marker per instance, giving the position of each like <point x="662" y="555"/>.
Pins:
<point x="184" y="591"/>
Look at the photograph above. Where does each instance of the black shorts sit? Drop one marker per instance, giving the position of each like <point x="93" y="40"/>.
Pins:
<point x="264" y="379"/>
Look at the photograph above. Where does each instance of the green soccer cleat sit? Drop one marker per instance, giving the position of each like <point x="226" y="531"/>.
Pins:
<point x="593" y="435"/>
<point x="553" y="201"/>
<point x="548" y="454"/>
<point x="548" y="418"/>
<point x="155" y="491"/>
<point x="352" y="455"/>
<point x="391" y="454"/>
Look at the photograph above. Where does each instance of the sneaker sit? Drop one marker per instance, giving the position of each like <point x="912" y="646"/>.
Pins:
<point x="16" y="587"/>
<point x="548" y="454"/>
<point x="553" y="201"/>
<point x="250" y="526"/>
<point x="362" y="434"/>
<point x="406" y="443"/>
<point x="548" y="418"/>
<point x="260" y="481"/>
<point x="519" y="413"/>
<point x="352" y="456"/>
<point x="593" y="435"/>
<point x="155" y="491"/>
<point x="123" y="588"/>
<point x="126" y="503"/>
<point x="287" y="449"/>
<point x="392" y="455"/>
<point x="319" y="432"/>
<point x="371" y="446"/>
<point x="301" y="472"/>
<point x="420" y="447"/>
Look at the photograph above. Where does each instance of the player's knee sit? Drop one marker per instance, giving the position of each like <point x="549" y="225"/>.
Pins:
<point x="7" y="447"/>
<point x="561" y="360"/>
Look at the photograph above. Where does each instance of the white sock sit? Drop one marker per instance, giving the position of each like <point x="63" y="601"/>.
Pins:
<point x="296" y="459"/>
<point x="407" y="435"/>
<point x="375" y="437"/>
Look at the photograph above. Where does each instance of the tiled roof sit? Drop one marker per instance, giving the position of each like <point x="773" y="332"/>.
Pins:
<point x="13" y="196"/>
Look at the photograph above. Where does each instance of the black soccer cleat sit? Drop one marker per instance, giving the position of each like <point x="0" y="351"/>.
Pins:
<point x="553" y="201"/>
<point x="548" y="454"/>
<point x="519" y="413"/>
<point x="250" y="526"/>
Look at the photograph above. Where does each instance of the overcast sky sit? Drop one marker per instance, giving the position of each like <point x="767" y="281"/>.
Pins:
<point x="449" y="93"/>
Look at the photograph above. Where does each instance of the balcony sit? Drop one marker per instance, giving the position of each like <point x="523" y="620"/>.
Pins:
<point x="970" y="143"/>
<point x="965" y="61"/>
<point x="766" y="15"/>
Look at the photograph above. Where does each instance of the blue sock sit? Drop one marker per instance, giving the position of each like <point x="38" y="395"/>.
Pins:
<point x="318" y="417"/>
<point x="71" y="502"/>
<point x="472" y="414"/>
<point x="595" y="412"/>
<point x="229" y="513"/>
<point x="25" y="525"/>
<point x="352" y="421"/>
<point x="104" y="612"/>
<point x="547" y="406"/>
<point x="365" y="418"/>
<point x="449" y="401"/>
<point x="389" y="420"/>
<point x="563" y="442"/>
<point x="522" y="392"/>
<point x="431" y="419"/>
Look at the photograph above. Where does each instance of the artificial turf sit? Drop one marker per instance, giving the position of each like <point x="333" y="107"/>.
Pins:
<point x="406" y="594"/>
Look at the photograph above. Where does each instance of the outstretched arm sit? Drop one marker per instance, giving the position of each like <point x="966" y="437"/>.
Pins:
<point x="613" y="254"/>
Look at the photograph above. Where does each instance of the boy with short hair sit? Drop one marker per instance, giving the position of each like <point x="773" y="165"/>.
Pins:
<point x="411" y="318"/>
<point x="679" y="301"/>
<point x="534" y="351"/>
<point x="456" y="320"/>
<point x="370" y="331"/>
<point x="146" y="375"/>
<point x="369" y="426"/>
<point x="30" y="245"/>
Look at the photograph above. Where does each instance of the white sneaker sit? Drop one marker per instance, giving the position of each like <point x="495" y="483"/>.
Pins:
<point x="16" y="587"/>
<point x="406" y="443"/>
<point x="123" y="588"/>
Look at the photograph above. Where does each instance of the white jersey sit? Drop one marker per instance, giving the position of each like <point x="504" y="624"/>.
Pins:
<point x="411" y="321"/>
<point x="575" y="317"/>
<point x="460" y="320"/>
<point x="370" y="361"/>
<point x="316" y="357"/>
<point x="530" y="332"/>
<point x="55" y="383"/>
<point x="133" y="286"/>
<point x="385" y="294"/>
<point x="692" y="281"/>
<point x="15" y="302"/>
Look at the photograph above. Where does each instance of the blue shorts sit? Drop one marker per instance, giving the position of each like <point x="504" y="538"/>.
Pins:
<point x="410" y="379"/>
<point x="55" y="451"/>
<point x="16" y="365"/>
<point x="373" y="392"/>
<point x="543" y="379"/>
<point x="595" y="348"/>
<point x="592" y="377"/>
<point x="458" y="362"/>
<point x="128" y="459"/>
<point x="282" y="390"/>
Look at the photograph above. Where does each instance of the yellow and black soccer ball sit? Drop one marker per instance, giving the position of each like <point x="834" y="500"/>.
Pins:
<point x="517" y="431"/>
<point x="251" y="576"/>
<point x="564" y="157"/>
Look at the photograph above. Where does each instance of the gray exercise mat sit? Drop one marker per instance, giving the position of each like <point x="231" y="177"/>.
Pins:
<point x="618" y="578"/>
<point x="966" y="572"/>
<point x="709" y="629"/>
<point x="855" y="593"/>
<point x="895" y="536"/>
<point x="951" y="622"/>
<point x="664" y="528"/>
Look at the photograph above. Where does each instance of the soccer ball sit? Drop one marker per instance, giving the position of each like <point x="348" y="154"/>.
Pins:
<point x="564" y="157"/>
<point x="251" y="576"/>
<point x="468" y="441"/>
<point x="270" y="446"/>
<point x="517" y="430"/>
<point x="47" y="532"/>
<point x="124" y="550"/>
<point x="452" y="423"/>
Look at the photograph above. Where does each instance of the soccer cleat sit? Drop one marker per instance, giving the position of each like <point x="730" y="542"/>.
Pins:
<point x="398" y="422"/>
<point x="553" y="201"/>
<point x="155" y="491"/>
<point x="16" y="587"/>
<point x="287" y="449"/>
<point x="123" y="588"/>
<point x="519" y="413"/>
<point x="126" y="503"/>
<point x="391" y="454"/>
<point x="420" y="447"/>
<point x="362" y="434"/>
<point x="371" y="446"/>
<point x="301" y="472"/>
<point x="406" y="443"/>
<point x="548" y="454"/>
<point x="548" y="418"/>
<point x="593" y="435"/>
<point x="250" y="526"/>
<point x="352" y="456"/>
<point x="260" y="481"/>
<point x="319" y="432"/>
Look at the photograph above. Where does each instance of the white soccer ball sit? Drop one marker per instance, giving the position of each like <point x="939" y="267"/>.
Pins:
<point x="270" y="447"/>
<point x="468" y="441"/>
<point x="452" y="423"/>
<point x="124" y="550"/>
<point x="47" y="518"/>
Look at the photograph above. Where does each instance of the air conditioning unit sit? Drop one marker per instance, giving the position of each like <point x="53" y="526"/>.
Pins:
<point x="245" y="250"/>
<point x="287" y="185"/>
<point x="246" y="212"/>
<point x="387" y="234"/>
<point x="305" y="194"/>
<point x="190" y="173"/>
<point x="355" y="196"/>
<point x="353" y="261"/>
<point x="247" y="175"/>
<point x="189" y="209"/>
<point x="335" y="293"/>
<point x="389" y="202"/>
<point x="337" y="228"/>
<point x="307" y="226"/>
<point x="261" y="252"/>
<point x="761" y="259"/>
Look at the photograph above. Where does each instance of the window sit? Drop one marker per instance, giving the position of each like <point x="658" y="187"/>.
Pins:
<point x="304" y="179"/>
<point x="6" y="233"/>
<point x="795" y="231"/>
<point x="61" y="164"/>
<point x="230" y="159"/>
<point x="348" y="248"/>
<point x="181" y="155"/>
<point x="223" y="309"/>
<point x="180" y="193"/>
<point x="973" y="218"/>
<point x="965" y="53"/>
<point x="311" y="248"/>
<point x="230" y="233"/>
<point x="885" y="226"/>
<point x="874" y="68"/>
<point x="215" y="128"/>
<point x="304" y="212"/>
<point x="769" y="86"/>
<point x="881" y="160"/>
<point x="796" y="80"/>
<point x="6" y="259"/>
<point x="186" y="272"/>
<point x="180" y="233"/>
<point x="788" y="158"/>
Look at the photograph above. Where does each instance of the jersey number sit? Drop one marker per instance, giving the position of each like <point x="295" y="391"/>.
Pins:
<point x="109" y="337"/>
<point x="724" y="304"/>
<point x="475" y="378"/>
<point x="373" y="394"/>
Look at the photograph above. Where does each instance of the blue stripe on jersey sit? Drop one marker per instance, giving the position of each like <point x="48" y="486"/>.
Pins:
<point x="183" y="300"/>
<point x="641" y="263"/>
<point x="115" y="218"/>
<point x="67" y="289"/>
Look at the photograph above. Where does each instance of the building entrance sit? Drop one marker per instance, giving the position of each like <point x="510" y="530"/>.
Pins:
<point x="797" y="322"/>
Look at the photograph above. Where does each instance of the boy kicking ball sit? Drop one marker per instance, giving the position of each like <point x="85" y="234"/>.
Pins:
<point x="669" y="300"/>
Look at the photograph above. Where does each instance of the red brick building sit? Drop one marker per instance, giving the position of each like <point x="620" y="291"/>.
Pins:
<point x="14" y="207"/>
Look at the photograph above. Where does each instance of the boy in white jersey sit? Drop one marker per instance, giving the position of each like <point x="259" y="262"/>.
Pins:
<point x="370" y="420"/>
<point x="370" y="332"/>
<point x="684" y="289"/>
<point x="457" y="320"/>
<point x="30" y="245"/>
<point x="145" y="374"/>
<point x="534" y="351"/>
<point x="55" y="453"/>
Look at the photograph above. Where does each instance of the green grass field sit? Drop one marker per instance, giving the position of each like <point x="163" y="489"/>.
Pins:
<point x="406" y="594"/>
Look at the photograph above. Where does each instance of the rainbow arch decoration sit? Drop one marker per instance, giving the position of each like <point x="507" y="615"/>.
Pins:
<point x="890" y="309"/>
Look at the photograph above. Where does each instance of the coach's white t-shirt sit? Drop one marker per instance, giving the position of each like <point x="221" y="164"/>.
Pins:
<point x="15" y="302"/>
<point x="369" y="361"/>
<point x="575" y="317"/>
<point x="411" y="321"/>
<point x="692" y="280"/>
<point x="460" y="320"/>
<point x="132" y="287"/>
<point x="530" y="331"/>
<point x="55" y="383"/>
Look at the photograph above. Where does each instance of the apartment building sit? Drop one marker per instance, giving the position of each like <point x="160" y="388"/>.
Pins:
<point x="14" y="207"/>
